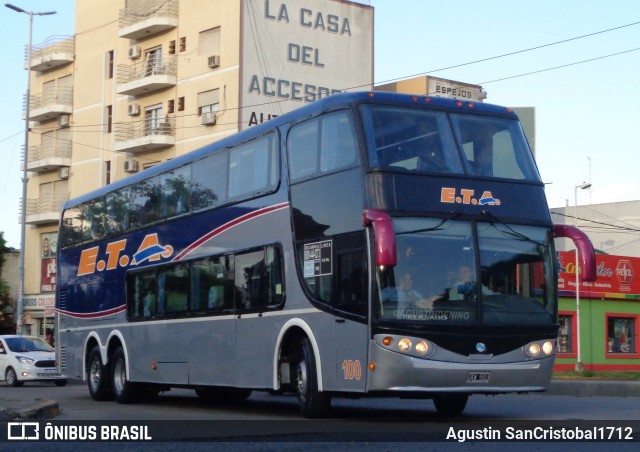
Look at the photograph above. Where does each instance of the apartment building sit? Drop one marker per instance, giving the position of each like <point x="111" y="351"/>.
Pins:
<point x="144" y="81"/>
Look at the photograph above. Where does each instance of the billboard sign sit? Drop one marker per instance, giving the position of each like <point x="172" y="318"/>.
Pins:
<point x="294" y="52"/>
<point x="616" y="277"/>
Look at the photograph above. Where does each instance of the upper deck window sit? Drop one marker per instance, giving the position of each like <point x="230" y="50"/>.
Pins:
<point x="321" y="145"/>
<point x="431" y="141"/>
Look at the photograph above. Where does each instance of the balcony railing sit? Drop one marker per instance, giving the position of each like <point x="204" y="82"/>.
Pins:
<point x="148" y="19"/>
<point x="54" y="52"/>
<point x="147" y="76"/>
<point x="45" y="209"/>
<point x="49" y="156"/>
<point x="147" y="135"/>
<point x="51" y="104"/>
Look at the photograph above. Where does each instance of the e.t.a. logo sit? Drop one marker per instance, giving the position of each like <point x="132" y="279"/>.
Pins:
<point x="149" y="250"/>
<point x="467" y="196"/>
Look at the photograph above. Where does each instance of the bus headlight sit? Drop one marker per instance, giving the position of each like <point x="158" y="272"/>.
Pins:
<point x="539" y="349"/>
<point x="412" y="346"/>
<point x="404" y="344"/>
<point x="533" y="350"/>
<point x="422" y="348"/>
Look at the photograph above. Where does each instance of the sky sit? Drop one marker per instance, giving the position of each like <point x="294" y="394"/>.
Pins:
<point x="582" y="78"/>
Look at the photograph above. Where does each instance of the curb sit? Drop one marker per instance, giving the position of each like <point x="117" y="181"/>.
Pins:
<point x="585" y="388"/>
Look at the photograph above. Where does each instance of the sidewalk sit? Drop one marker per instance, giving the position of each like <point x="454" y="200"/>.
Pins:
<point x="30" y="409"/>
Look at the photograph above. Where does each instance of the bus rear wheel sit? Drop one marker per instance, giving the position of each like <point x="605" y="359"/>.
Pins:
<point x="124" y="391"/>
<point x="312" y="402"/>
<point x="98" y="377"/>
<point x="450" y="404"/>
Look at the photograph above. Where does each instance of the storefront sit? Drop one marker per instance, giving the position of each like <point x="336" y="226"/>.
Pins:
<point x="38" y="314"/>
<point x="609" y="315"/>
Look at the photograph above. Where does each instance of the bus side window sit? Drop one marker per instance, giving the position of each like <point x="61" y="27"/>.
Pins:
<point x="209" y="181"/>
<point x="253" y="168"/>
<point x="207" y="282"/>
<point x="174" y="288"/>
<point x="338" y="143"/>
<point x="258" y="279"/>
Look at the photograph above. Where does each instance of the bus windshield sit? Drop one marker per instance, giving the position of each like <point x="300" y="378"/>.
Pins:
<point x="498" y="275"/>
<point x="430" y="141"/>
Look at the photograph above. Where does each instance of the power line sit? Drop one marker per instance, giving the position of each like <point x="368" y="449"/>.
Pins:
<point x="561" y="66"/>
<point x="270" y="102"/>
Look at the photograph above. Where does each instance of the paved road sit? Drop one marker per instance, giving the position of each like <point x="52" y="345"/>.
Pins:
<point x="382" y="424"/>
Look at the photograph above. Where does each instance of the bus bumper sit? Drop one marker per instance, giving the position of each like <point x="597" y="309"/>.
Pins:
<point x="400" y="373"/>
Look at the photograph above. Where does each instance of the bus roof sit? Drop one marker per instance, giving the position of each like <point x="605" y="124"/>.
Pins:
<point x="323" y="105"/>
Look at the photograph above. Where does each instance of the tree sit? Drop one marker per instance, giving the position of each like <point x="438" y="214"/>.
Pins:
<point x="6" y="311"/>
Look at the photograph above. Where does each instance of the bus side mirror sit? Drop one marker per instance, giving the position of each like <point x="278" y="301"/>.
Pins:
<point x="586" y="253"/>
<point x="385" y="236"/>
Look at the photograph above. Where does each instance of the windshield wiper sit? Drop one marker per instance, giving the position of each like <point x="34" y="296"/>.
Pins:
<point x="510" y="232"/>
<point x="453" y="214"/>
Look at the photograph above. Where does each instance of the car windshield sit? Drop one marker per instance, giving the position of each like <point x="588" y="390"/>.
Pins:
<point x="448" y="272"/>
<point x="27" y="344"/>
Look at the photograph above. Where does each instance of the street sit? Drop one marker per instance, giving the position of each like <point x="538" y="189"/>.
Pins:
<point x="181" y="421"/>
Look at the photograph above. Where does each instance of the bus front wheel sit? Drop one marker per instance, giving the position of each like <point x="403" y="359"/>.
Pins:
<point x="312" y="402"/>
<point x="98" y="377"/>
<point x="450" y="404"/>
<point x="124" y="391"/>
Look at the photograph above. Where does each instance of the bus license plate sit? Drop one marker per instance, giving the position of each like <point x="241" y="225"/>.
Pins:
<point x="478" y="377"/>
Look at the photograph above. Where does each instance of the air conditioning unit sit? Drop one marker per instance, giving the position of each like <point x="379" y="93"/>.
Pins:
<point x="63" y="173"/>
<point x="131" y="166"/>
<point x="208" y="118"/>
<point x="63" y="120"/>
<point x="213" y="61"/>
<point x="135" y="52"/>
<point x="134" y="109"/>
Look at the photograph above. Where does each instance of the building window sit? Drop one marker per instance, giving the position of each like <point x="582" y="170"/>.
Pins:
<point x="622" y="336"/>
<point x="107" y="169"/>
<point x="170" y="106"/>
<point x="49" y="246"/>
<point x="209" y="101"/>
<point x="109" y="115"/>
<point x="566" y="336"/>
<point x="209" y="42"/>
<point x="180" y="103"/>
<point x="153" y="120"/>
<point x="172" y="47"/>
<point x="110" y="56"/>
<point x="183" y="44"/>
<point x="153" y="62"/>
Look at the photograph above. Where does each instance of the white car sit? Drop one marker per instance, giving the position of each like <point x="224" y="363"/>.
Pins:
<point x="25" y="358"/>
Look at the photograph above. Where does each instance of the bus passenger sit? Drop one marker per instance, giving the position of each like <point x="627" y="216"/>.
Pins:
<point x="405" y="295"/>
<point x="465" y="287"/>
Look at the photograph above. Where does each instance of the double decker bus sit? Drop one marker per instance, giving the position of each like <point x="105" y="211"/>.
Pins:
<point x="367" y="244"/>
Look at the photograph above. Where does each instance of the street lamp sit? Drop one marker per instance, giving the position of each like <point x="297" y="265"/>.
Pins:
<point x="23" y="215"/>
<point x="579" y="367"/>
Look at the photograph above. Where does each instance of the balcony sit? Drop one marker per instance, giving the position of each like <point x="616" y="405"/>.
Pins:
<point x="51" y="104"/>
<point x="147" y="135"/>
<point x="45" y="209"/>
<point x="146" y="76"/>
<point x="56" y="51"/>
<point x="49" y="156"/>
<point x="154" y="17"/>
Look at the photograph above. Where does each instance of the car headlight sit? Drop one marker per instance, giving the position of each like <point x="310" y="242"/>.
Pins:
<point x="25" y="360"/>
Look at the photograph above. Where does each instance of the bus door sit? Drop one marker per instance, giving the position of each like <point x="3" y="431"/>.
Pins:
<point x="351" y="328"/>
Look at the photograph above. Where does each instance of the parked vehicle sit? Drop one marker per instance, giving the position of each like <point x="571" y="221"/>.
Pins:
<point x="25" y="358"/>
